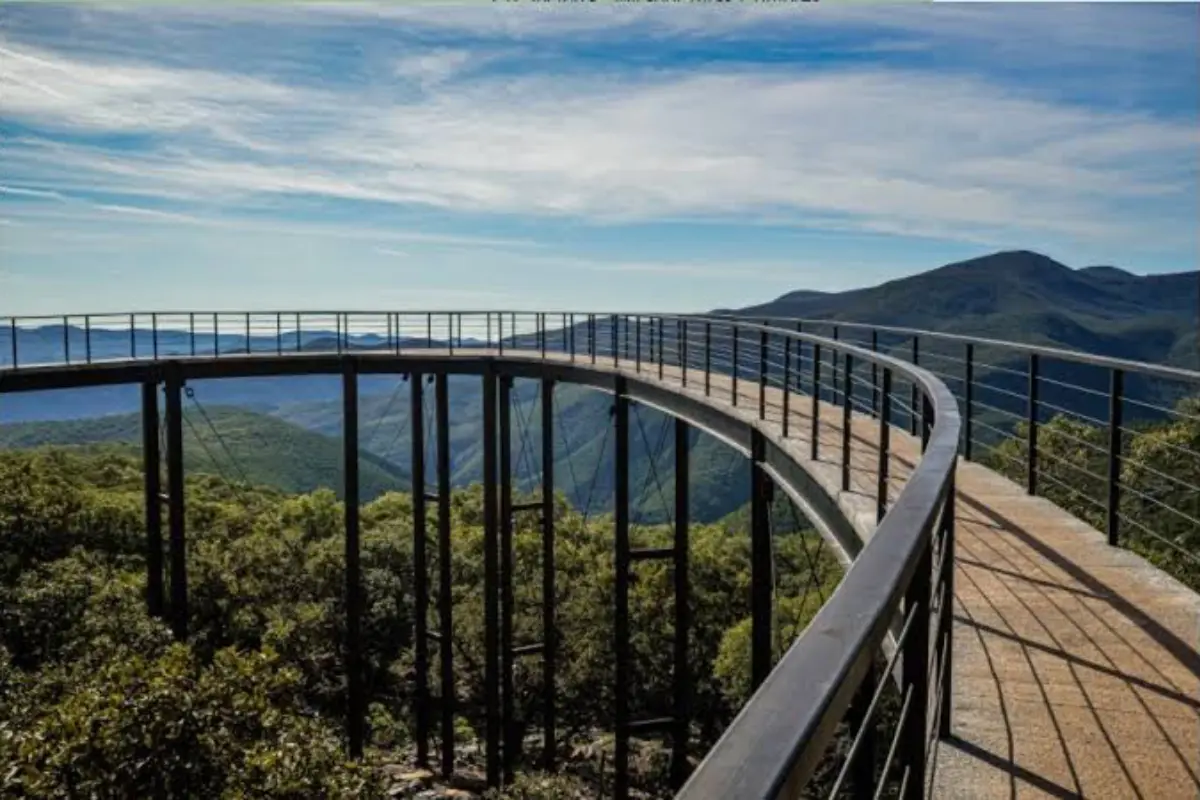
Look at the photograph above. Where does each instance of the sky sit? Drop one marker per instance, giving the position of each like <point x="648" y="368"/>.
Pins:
<point x="597" y="157"/>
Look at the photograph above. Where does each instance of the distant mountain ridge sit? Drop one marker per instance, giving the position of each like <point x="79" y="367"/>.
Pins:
<point x="1024" y="296"/>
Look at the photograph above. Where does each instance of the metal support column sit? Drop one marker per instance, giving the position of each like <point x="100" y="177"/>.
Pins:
<point x="445" y="573"/>
<point x="420" y="568"/>
<point x="491" y="627"/>
<point x="355" y="697"/>
<point x="152" y="466"/>
<point x="682" y="699"/>
<point x="549" y="589"/>
<point x="760" y="562"/>
<point x="177" y="546"/>
<point x="622" y="561"/>
<point x="508" y="709"/>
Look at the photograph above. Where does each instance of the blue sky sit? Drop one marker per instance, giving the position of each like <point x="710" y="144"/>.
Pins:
<point x="673" y="158"/>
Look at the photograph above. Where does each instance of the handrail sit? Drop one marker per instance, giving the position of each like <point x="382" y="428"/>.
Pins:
<point x="773" y="745"/>
<point x="1057" y="353"/>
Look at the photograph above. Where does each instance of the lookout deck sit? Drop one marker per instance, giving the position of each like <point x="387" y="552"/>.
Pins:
<point x="1076" y="671"/>
<point x="1075" y="664"/>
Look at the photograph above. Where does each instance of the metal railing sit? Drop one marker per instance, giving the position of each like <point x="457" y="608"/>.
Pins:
<point x="1115" y="442"/>
<point x="741" y="380"/>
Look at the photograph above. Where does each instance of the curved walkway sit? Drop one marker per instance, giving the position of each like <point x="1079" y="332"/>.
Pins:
<point x="1076" y="671"/>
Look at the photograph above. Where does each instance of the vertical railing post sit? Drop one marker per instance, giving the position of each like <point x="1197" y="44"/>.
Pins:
<point x="429" y="330"/>
<point x="787" y="383"/>
<point x="885" y="438"/>
<point x="847" y="410"/>
<point x="762" y="375"/>
<point x="216" y="335"/>
<point x="707" y="358"/>
<point x="912" y="391"/>
<point x="650" y="322"/>
<point x="682" y="336"/>
<point x="420" y="568"/>
<point x="152" y="466"/>
<point x="133" y="336"/>
<point x="549" y="582"/>
<point x="66" y="323"/>
<point x="248" y="333"/>
<point x="1115" y="408"/>
<point x="622" y="561"/>
<point x="1031" y="420"/>
<point x="626" y="335"/>
<point x="637" y="345"/>
<point x="12" y="328"/>
<point x="761" y="578"/>
<point x="192" y="333"/>
<point x="862" y="768"/>
<point x="279" y="333"/>
<point x="874" y="373"/>
<point x="616" y="349"/>
<point x="816" y="401"/>
<point x="355" y="698"/>
<point x="734" y="363"/>
<point x="491" y="574"/>
<point x="500" y="332"/>
<point x="833" y="368"/>
<point x="946" y="625"/>
<point x="661" y="357"/>
<point x="682" y="684"/>
<point x="915" y="676"/>
<point x="572" y="337"/>
<point x="176" y="543"/>
<point x="968" y="398"/>
<point x="87" y="338"/>
<point x="445" y="573"/>
<point x="299" y="334"/>
<point x="592" y="337"/>
<point x="450" y="332"/>
<point x="541" y="323"/>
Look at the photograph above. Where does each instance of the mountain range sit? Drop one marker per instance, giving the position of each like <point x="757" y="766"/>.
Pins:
<point x="1017" y="295"/>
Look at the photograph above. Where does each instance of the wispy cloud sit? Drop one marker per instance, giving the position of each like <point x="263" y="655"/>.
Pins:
<point x="885" y="149"/>
<point x="528" y="133"/>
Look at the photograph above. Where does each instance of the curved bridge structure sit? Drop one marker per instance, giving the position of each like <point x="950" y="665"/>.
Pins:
<point x="1031" y="653"/>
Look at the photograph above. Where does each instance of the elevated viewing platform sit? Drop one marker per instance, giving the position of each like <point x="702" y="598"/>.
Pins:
<point x="1037" y="637"/>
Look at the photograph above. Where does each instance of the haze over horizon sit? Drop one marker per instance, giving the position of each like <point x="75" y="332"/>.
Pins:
<point x="406" y="157"/>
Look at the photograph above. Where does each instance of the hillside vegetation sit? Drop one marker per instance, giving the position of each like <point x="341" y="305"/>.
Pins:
<point x="243" y="446"/>
<point x="98" y="701"/>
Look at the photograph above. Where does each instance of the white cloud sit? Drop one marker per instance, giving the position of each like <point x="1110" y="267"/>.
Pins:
<point x="949" y="156"/>
<point x="429" y="68"/>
